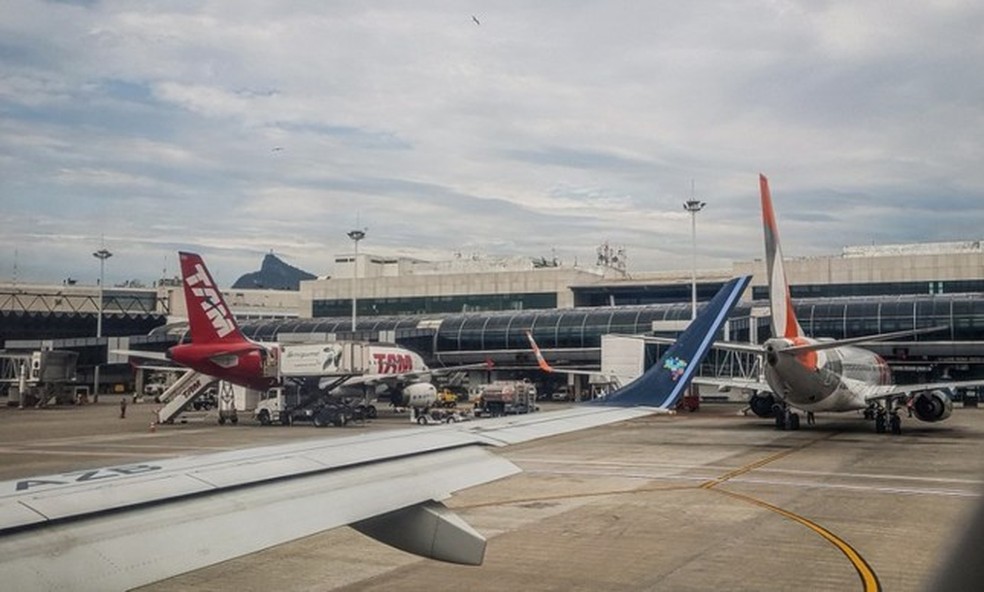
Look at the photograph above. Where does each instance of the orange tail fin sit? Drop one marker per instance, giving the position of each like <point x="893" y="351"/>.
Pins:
<point x="784" y="323"/>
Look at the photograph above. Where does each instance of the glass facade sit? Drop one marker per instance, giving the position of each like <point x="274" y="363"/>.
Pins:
<point x="367" y="307"/>
<point x="580" y="328"/>
<point x="641" y="295"/>
<point x="877" y="289"/>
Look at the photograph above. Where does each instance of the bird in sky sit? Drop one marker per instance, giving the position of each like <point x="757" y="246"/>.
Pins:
<point x="475" y="18"/>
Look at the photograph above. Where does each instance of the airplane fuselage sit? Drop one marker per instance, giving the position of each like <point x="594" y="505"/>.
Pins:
<point x="825" y="380"/>
<point x="254" y="365"/>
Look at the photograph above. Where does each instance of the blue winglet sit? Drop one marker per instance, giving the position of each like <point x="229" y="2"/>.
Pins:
<point x="664" y="383"/>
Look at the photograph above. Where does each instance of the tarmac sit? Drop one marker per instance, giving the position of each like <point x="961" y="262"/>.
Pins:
<point x="695" y="501"/>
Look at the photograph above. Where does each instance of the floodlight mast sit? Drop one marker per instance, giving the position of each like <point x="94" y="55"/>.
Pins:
<point x="356" y="236"/>
<point x="693" y="206"/>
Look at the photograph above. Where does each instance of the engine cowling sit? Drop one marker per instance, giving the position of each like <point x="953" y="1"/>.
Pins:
<point x="763" y="405"/>
<point x="419" y="395"/>
<point x="932" y="406"/>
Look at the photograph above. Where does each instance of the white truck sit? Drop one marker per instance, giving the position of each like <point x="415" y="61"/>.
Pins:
<point x="286" y="405"/>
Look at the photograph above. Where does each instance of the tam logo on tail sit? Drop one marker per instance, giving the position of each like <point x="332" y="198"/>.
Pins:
<point x="209" y="317"/>
<point x="210" y="301"/>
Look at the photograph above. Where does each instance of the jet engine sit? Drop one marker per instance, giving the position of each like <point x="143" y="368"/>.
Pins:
<point x="763" y="405"/>
<point x="932" y="406"/>
<point x="419" y="395"/>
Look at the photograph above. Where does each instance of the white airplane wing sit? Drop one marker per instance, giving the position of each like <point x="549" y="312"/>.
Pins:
<point x="723" y="383"/>
<point x="875" y="393"/>
<point x="125" y="526"/>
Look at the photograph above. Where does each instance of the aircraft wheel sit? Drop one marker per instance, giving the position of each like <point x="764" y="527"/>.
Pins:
<point x="318" y="421"/>
<point x="234" y="420"/>
<point x="780" y="420"/>
<point x="221" y="420"/>
<point x="794" y="421"/>
<point x="895" y="422"/>
<point x="880" y="423"/>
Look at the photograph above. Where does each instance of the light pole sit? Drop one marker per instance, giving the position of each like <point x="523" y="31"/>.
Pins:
<point x="102" y="254"/>
<point x="693" y="206"/>
<point x="356" y="236"/>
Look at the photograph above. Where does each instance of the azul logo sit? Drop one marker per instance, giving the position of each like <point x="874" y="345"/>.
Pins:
<point x="211" y="301"/>
<point x="393" y="363"/>
<point x="676" y="366"/>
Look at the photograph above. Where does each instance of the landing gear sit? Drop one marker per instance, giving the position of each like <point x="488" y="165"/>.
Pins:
<point x="787" y="419"/>
<point x="886" y="420"/>
<point x="895" y="424"/>
<point x="880" y="421"/>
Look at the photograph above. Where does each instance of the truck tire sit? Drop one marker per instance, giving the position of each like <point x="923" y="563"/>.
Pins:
<point x="263" y="416"/>
<point x="422" y="420"/>
<point x="371" y="412"/>
<point x="319" y="422"/>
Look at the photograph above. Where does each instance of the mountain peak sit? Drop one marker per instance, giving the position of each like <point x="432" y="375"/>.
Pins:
<point x="274" y="274"/>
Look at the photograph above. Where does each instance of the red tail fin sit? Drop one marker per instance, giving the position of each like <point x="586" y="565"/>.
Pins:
<point x="209" y="319"/>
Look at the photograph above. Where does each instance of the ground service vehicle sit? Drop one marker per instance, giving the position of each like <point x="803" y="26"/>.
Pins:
<point x="504" y="397"/>
<point x="289" y="404"/>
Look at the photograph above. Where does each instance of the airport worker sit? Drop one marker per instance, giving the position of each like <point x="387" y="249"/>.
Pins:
<point x="122" y="407"/>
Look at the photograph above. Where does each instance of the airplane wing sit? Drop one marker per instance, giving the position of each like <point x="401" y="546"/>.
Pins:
<point x="876" y="393"/>
<point x="124" y="526"/>
<point x="724" y="384"/>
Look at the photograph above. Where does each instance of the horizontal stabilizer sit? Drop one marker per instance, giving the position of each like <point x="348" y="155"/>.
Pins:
<point x="810" y="347"/>
<point x="736" y="346"/>
<point x="143" y="354"/>
<point x="430" y="530"/>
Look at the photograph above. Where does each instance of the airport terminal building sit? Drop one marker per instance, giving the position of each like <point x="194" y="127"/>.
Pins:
<point x="473" y="309"/>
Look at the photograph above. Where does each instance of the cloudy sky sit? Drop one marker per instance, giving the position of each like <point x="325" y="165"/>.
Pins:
<point x="237" y="128"/>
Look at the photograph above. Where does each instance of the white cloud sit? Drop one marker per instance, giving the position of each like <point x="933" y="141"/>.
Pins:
<point x="240" y="128"/>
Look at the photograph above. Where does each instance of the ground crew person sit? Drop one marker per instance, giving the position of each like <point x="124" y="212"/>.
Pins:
<point x="122" y="407"/>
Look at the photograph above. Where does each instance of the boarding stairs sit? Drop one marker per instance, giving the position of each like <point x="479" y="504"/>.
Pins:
<point x="181" y="394"/>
